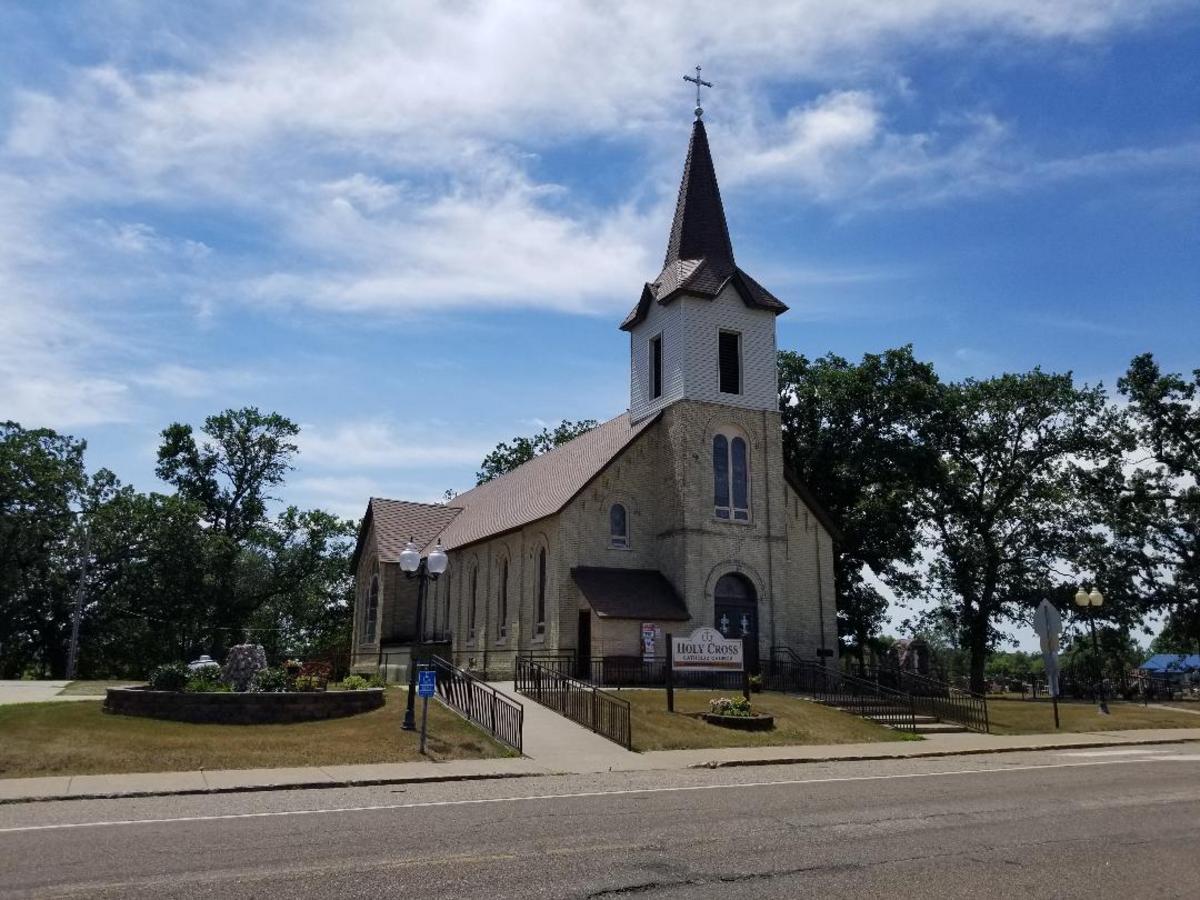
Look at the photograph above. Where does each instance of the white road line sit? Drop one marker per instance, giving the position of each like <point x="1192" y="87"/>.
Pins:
<point x="573" y="796"/>
<point x="1130" y="752"/>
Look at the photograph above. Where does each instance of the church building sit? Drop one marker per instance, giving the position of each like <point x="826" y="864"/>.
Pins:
<point x="675" y="514"/>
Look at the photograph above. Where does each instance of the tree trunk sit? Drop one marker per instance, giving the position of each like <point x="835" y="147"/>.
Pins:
<point x="977" y="647"/>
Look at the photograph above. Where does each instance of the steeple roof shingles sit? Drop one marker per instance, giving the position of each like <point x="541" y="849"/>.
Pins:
<point x="699" y="256"/>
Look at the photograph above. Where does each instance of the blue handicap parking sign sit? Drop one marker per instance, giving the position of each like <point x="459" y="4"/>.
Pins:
<point x="426" y="683"/>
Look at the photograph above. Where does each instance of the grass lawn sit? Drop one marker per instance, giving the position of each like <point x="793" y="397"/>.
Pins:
<point x="1037" y="717"/>
<point x="796" y="722"/>
<point x="79" y="739"/>
<point x="94" y="688"/>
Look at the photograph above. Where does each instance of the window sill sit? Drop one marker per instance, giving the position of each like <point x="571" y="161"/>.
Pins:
<point x="724" y="521"/>
<point x="614" y="547"/>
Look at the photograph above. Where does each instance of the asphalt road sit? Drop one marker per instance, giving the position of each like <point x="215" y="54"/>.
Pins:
<point x="1100" y="823"/>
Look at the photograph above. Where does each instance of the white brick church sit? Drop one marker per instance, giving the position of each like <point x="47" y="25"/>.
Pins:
<point x="675" y="514"/>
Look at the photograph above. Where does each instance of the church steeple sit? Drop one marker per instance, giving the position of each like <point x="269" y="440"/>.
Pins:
<point x="699" y="231"/>
<point x="703" y="330"/>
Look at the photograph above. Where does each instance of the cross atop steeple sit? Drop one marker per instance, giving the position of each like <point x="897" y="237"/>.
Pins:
<point x="698" y="81"/>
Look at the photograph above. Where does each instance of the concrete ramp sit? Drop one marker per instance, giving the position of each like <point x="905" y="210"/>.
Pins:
<point x="560" y="745"/>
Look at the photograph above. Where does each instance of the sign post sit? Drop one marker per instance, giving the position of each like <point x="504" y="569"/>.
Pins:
<point x="1047" y="622"/>
<point x="704" y="650"/>
<point x="670" y="675"/>
<point x="426" y="687"/>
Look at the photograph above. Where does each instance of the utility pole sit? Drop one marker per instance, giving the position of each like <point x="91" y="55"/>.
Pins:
<point x="73" y="654"/>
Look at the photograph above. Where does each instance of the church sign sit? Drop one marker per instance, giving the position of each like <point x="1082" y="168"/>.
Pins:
<point x="706" y="650"/>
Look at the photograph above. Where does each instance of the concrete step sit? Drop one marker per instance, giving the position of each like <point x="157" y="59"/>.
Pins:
<point x="940" y="728"/>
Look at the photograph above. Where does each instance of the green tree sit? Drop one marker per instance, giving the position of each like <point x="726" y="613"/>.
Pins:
<point x="230" y="476"/>
<point x="42" y="481"/>
<point x="1156" y="517"/>
<point x="1005" y="508"/>
<point x="508" y="455"/>
<point x="855" y="434"/>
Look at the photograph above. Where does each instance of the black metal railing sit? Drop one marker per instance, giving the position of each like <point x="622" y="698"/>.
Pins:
<point x="935" y="698"/>
<point x="848" y="692"/>
<point x="607" y="715"/>
<point x="636" y="671"/>
<point x="478" y="702"/>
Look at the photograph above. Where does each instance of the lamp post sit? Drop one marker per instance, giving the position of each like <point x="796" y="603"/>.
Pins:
<point x="1090" y="601"/>
<point x="424" y="569"/>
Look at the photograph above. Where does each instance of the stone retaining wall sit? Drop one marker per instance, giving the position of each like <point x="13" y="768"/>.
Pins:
<point x="241" y="709"/>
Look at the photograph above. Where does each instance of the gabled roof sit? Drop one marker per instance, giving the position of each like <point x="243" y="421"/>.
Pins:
<point x="699" y="259"/>
<point x="540" y="487"/>
<point x="396" y="521"/>
<point x="532" y="491"/>
<point x="630" y="593"/>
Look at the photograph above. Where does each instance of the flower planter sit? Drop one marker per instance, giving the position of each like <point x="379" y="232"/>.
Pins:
<point x="241" y="709"/>
<point x="756" y="722"/>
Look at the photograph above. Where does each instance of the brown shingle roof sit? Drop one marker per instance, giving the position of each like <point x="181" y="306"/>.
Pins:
<point x="396" y="521"/>
<point x="630" y="593"/>
<point x="540" y="487"/>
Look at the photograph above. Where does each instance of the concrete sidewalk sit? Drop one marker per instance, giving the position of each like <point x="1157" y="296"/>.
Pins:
<point x="38" y="692"/>
<point x="16" y="790"/>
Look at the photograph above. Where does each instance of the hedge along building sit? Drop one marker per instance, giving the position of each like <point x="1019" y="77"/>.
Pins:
<point x="677" y="513"/>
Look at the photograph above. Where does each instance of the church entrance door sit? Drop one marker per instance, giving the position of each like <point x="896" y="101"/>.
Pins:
<point x="735" y="613"/>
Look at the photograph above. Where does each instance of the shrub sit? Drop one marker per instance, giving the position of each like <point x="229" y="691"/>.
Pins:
<point x="293" y="667"/>
<point x="308" y="683"/>
<point x="318" y="673"/>
<point x="170" y="677"/>
<point x="269" y="681"/>
<point x="376" y="681"/>
<point x="355" y="683"/>
<point x="724" y="706"/>
<point x="207" y="686"/>
<point x="209" y="674"/>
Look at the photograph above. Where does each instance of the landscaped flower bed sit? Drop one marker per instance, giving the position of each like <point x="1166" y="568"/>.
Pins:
<point x="247" y="708"/>
<point x="245" y="692"/>
<point x="736" y="713"/>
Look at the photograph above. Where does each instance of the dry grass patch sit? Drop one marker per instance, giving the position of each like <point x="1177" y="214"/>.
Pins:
<point x="796" y="722"/>
<point x="80" y="739"/>
<point x="1037" y="717"/>
<point x="94" y="688"/>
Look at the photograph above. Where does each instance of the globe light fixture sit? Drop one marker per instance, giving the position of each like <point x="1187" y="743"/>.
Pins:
<point x="1090" y="600"/>
<point x="410" y="558"/>
<point x="437" y="560"/>
<point x="425" y="570"/>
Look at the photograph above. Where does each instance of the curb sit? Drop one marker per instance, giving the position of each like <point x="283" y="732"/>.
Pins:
<point x="929" y="754"/>
<point x="498" y="776"/>
<point x="259" y="788"/>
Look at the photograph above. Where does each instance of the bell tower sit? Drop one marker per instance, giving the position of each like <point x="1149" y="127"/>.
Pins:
<point x="703" y="329"/>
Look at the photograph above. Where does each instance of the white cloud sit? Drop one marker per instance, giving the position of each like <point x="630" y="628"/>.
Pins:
<point x="380" y="445"/>
<point x="386" y="158"/>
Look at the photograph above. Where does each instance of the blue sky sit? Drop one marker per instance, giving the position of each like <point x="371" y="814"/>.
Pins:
<point x="414" y="227"/>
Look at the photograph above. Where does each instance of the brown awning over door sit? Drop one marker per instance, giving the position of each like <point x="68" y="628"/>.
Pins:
<point x="630" y="593"/>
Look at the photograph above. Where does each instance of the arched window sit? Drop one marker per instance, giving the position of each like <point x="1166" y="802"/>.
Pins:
<point x="471" y="610"/>
<point x="618" y="526"/>
<point x="502" y="619"/>
<point x="731" y="478"/>
<point x="372" y="615"/>
<point x="541" y="591"/>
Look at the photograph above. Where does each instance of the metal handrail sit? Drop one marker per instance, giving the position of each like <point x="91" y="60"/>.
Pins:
<point x="857" y="695"/>
<point x="936" y="698"/>
<point x="478" y="702"/>
<point x="606" y="714"/>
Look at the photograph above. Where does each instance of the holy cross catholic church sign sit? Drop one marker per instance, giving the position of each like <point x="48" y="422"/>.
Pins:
<point x="707" y="650"/>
